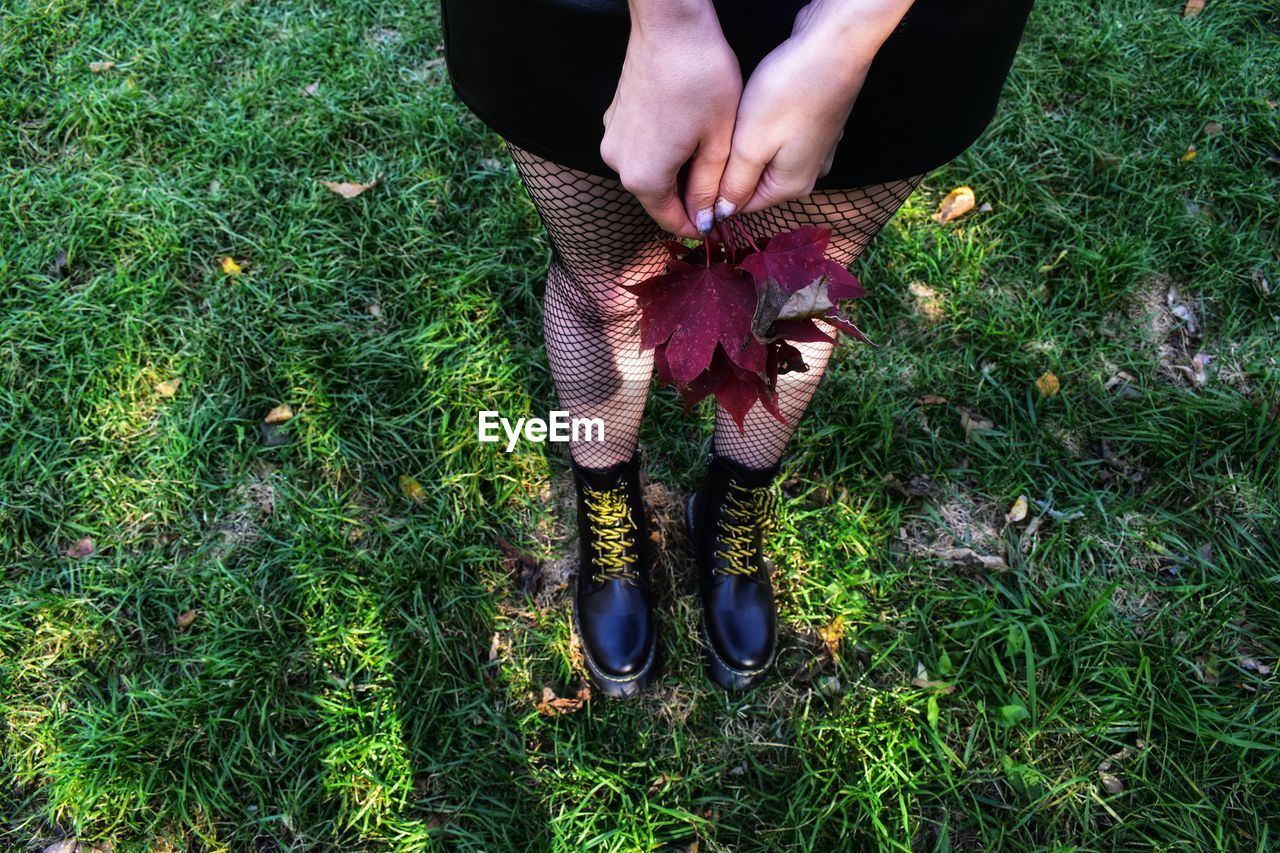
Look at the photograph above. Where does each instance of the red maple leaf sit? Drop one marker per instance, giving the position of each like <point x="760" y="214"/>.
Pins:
<point x="713" y="323"/>
<point x="692" y="309"/>
<point x="791" y="259"/>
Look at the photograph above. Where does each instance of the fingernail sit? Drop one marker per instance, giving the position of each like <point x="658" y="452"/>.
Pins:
<point x="703" y="221"/>
<point x="724" y="209"/>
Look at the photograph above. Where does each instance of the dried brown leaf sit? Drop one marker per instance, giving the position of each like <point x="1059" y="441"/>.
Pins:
<point x="957" y="203"/>
<point x="347" y="189"/>
<point x="81" y="549"/>
<point x="279" y="414"/>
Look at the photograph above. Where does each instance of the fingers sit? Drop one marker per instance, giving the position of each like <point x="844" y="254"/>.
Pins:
<point x="703" y="184"/>
<point x="738" y="183"/>
<point x="653" y="185"/>
<point x="657" y="193"/>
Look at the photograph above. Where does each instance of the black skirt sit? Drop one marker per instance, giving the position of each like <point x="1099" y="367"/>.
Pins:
<point x="541" y="73"/>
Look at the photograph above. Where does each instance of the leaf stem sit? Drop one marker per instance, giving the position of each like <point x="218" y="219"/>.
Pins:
<point x="745" y="234"/>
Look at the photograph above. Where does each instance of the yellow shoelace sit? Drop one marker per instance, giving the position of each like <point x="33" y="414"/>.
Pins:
<point x="612" y="532"/>
<point x="746" y="512"/>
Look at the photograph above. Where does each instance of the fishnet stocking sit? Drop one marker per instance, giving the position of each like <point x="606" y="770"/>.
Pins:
<point x="601" y="239"/>
<point x="854" y="216"/>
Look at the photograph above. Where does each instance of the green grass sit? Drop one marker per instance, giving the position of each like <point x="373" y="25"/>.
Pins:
<point x="363" y="674"/>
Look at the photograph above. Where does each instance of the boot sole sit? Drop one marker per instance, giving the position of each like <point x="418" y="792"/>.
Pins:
<point x="724" y="676"/>
<point x="613" y="686"/>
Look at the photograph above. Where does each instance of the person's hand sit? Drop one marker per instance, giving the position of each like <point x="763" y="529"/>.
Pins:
<point x="675" y="104"/>
<point x="794" y="107"/>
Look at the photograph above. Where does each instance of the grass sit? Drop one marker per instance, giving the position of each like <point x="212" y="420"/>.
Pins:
<point x="363" y="673"/>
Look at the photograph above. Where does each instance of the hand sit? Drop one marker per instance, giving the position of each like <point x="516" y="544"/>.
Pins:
<point x="676" y="100"/>
<point x="794" y="107"/>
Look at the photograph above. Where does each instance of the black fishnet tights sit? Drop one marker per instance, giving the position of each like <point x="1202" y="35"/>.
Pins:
<point x="602" y="238"/>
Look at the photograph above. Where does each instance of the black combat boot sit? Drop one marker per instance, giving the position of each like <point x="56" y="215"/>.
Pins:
<point x="612" y="602"/>
<point x="728" y="518"/>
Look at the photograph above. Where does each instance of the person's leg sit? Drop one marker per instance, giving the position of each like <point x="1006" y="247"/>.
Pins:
<point x="854" y="216"/>
<point x="732" y="509"/>
<point x="602" y="239"/>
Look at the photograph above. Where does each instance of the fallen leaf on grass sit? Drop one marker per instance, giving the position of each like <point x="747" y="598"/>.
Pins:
<point x="524" y="568"/>
<point x="99" y="67"/>
<point x="1124" y="385"/>
<point x="971" y="421"/>
<point x="81" y="549"/>
<point x="551" y="704"/>
<point x="1255" y="665"/>
<point x="168" y="388"/>
<point x="923" y="681"/>
<point x="1197" y="371"/>
<point x="311" y="90"/>
<point x="1188" y="155"/>
<point x="1182" y="311"/>
<point x="1259" y="280"/>
<point x="1048" y="384"/>
<point x="1211" y="128"/>
<point x="932" y="400"/>
<point x="1018" y="511"/>
<point x="1193" y="8"/>
<point x="970" y="557"/>
<point x="279" y="414"/>
<point x="412" y="489"/>
<point x="230" y="267"/>
<point x="187" y="618"/>
<point x="347" y="189"/>
<point x="957" y="203"/>
<point x="832" y="635"/>
<point x="1111" y="783"/>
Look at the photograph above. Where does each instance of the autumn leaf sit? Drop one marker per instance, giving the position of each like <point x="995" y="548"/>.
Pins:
<point x="1018" y="511"/>
<point x="551" y="705"/>
<point x="1193" y="8"/>
<point x="726" y="314"/>
<point x="351" y="190"/>
<point x="957" y="203"/>
<point x="1048" y="384"/>
<point x="692" y="309"/>
<point x="168" y="388"/>
<point x="971" y="421"/>
<point x="923" y="681"/>
<point x="412" y="489"/>
<point x="230" y="267"/>
<point x="791" y="260"/>
<point x="187" y="618"/>
<point x="279" y="414"/>
<point x="524" y="568"/>
<point x="1189" y="155"/>
<point x="832" y="635"/>
<point x="81" y="549"/>
<point x="99" y="67"/>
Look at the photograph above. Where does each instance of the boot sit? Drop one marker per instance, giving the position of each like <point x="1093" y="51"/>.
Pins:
<point x="727" y="519"/>
<point x="612" y="601"/>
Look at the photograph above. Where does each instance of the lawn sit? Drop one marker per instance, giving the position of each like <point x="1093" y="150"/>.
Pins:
<point x="338" y="631"/>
